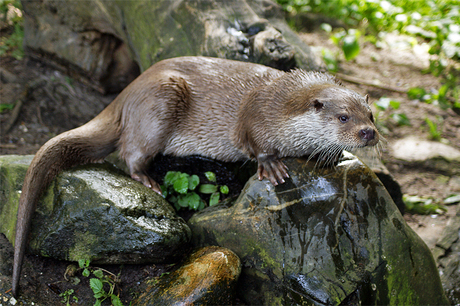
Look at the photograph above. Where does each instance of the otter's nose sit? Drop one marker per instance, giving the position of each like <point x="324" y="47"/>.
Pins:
<point x="366" y="134"/>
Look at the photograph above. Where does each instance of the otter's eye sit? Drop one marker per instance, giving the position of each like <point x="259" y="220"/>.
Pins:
<point x="344" y="118"/>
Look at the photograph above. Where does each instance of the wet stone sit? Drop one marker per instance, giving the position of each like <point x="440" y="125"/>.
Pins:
<point x="94" y="212"/>
<point x="328" y="236"/>
<point x="207" y="277"/>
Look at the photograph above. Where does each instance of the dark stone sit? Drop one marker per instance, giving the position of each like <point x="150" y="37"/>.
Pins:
<point x="95" y="212"/>
<point x="328" y="236"/>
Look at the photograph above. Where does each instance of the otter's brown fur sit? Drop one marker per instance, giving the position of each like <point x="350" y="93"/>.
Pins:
<point x="218" y="108"/>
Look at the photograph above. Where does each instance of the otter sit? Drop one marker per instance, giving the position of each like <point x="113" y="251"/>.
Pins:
<point x="222" y="109"/>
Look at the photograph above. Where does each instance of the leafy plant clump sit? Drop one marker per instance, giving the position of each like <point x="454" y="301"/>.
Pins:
<point x="423" y="205"/>
<point x="66" y="295"/>
<point x="179" y="188"/>
<point x="385" y="105"/>
<point x="11" y="16"/>
<point x="103" y="278"/>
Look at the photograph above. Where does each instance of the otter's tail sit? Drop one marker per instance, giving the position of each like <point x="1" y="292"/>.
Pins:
<point x="88" y="143"/>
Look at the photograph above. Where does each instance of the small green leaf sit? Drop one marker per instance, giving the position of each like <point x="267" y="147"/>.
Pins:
<point x="211" y="176"/>
<point x="98" y="273"/>
<point x="214" y="199"/>
<point x="96" y="285"/>
<point x="224" y="189"/>
<point x="164" y="191"/>
<point x="85" y="272"/>
<point x="115" y="300"/>
<point x="181" y="184"/>
<point x="207" y="188"/>
<point x="395" y="104"/>
<point x="193" y="181"/>
<point x="443" y="91"/>
<point x="190" y="200"/>
<point x="401" y="119"/>
<point x="98" y="303"/>
<point x="433" y="129"/>
<point x="194" y="200"/>
<point x="171" y="177"/>
<point x="81" y="263"/>
<point x="5" y="106"/>
<point x="416" y="93"/>
<point x="350" y="47"/>
<point x="183" y="201"/>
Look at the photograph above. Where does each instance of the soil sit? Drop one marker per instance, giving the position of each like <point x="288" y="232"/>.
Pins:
<point x="53" y="103"/>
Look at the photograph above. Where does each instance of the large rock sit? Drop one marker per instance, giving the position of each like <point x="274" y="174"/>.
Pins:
<point x="327" y="236"/>
<point x="104" y="39"/>
<point x="94" y="212"/>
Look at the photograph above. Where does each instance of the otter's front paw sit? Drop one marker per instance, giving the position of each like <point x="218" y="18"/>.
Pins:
<point x="272" y="168"/>
<point x="147" y="181"/>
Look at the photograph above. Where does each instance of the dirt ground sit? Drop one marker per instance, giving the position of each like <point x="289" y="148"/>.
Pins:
<point x="54" y="103"/>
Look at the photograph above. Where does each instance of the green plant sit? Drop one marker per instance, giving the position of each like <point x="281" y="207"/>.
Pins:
<point x="66" y="296"/>
<point x="348" y="41"/>
<point x="423" y="205"/>
<point x="97" y="284"/>
<point x="385" y="105"/>
<point x="10" y="12"/>
<point x="434" y="129"/>
<point x="179" y="188"/>
<point x="438" y="97"/>
<point x="6" y="106"/>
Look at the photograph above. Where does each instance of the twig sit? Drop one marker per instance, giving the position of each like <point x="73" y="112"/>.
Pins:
<point x="8" y="146"/>
<point x="356" y="80"/>
<point x="15" y="113"/>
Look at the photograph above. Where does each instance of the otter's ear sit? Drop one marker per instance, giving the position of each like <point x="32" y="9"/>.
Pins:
<point x="318" y="105"/>
<point x="366" y="97"/>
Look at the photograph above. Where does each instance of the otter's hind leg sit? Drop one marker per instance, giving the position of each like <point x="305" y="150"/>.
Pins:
<point x="138" y="149"/>
<point x="137" y="164"/>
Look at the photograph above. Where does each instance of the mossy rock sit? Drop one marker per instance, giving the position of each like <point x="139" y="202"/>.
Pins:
<point x="94" y="212"/>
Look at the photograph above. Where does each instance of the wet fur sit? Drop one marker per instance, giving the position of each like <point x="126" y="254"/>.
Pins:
<point x="222" y="109"/>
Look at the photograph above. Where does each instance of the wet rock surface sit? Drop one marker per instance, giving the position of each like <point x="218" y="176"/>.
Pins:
<point x="207" y="277"/>
<point x="447" y="255"/>
<point x="327" y="236"/>
<point x="95" y="212"/>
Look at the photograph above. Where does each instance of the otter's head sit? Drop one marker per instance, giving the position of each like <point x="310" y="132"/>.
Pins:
<point x="349" y="113"/>
<point x="326" y="119"/>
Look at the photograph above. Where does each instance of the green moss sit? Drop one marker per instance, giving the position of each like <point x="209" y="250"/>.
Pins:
<point x="83" y="246"/>
<point x="12" y="171"/>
